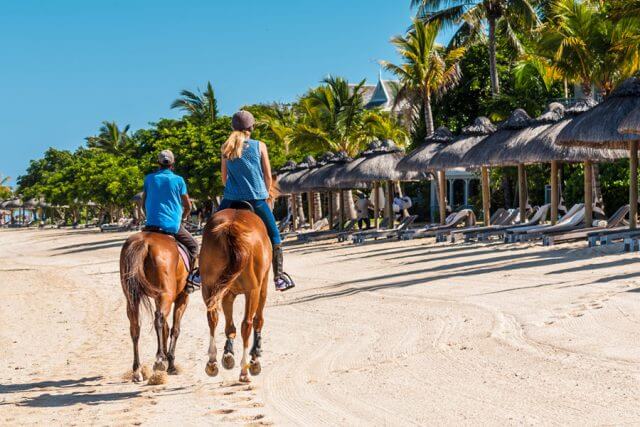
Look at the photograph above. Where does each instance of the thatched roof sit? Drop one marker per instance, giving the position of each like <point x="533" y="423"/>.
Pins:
<point x="452" y="154"/>
<point x="598" y="127"/>
<point x="289" y="182"/>
<point x="418" y="159"/>
<point x="31" y="204"/>
<point x="490" y="151"/>
<point x="378" y="163"/>
<point x="12" y="204"/>
<point x="542" y="148"/>
<point x="631" y="123"/>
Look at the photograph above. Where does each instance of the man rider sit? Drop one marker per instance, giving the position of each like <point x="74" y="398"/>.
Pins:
<point x="167" y="205"/>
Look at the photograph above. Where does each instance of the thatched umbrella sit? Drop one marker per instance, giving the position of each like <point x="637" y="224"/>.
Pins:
<point x="542" y="148"/>
<point x="489" y="152"/>
<point x="420" y="159"/>
<point x="598" y="128"/>
<point x="452" y="156"/>
<point x="379" y="163"/>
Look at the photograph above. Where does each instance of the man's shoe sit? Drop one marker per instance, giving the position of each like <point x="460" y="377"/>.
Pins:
<point x="194" y="282"/>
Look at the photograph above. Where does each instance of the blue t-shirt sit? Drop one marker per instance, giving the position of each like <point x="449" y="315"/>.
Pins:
<point x="163" y="190"/>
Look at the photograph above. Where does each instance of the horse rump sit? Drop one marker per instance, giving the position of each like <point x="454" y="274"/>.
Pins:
<point x="227" y="246"/>
<point x="137" y="288"/>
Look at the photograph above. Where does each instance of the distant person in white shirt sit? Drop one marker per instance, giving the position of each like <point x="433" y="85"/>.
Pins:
<point x="362" y="207"/>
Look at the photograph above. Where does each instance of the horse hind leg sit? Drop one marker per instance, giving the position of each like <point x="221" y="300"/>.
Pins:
<point x="258" y="321"/>
<point x="134" y="328"/>
<point x="180" y="305"/>
<point x="251" y="306"/>
<point x="228" y="360"/>
<point x="163" y="307"/>
<point x="212" y="365"/>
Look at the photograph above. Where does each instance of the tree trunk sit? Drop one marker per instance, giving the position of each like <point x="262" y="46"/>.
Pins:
<point x="633" y="185"/>
<point x="349" y="205"/>
<point x="588" y="194"/>
<point x="555" y="192"/>
<point x="376" y="204"/>
<point x="486" y="196"/>
<point x="337" y="204"/>
<point x="522" y="192"/>
<point x="493" y="62"/>
<point x="317" y="205"/>
<point x="300" y="209"/>
<point x="566" y="88"/>
<point x="597" y="188"/>
<point x="442" y="198"/>
<point x="428" y="114"/>
<point x="341" y="211"/>
<point x="389" y="200"/>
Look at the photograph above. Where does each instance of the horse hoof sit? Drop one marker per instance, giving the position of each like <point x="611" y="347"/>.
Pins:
<point x="160" y="365"/>
<point x="244" y="378"/>
<point x="173" y="370"/>
<point x="211" y="369"/>
<point x="137" y="377"/>
<point x="228" y="361"/>
<point x="255" y="368"/>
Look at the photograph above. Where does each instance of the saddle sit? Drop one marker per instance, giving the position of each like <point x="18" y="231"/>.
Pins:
<point x="182" y="249"/>
<point x="242" y="206"/>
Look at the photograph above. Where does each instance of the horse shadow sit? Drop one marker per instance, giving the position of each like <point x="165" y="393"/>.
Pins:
<point x="47" y="400"/>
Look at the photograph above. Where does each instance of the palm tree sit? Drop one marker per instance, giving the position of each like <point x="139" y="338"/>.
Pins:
<point x="110" y="138"/>
<point x="203" y="107"/>
<point x="280" y="120"/>
<point x="5" y="190"/>
<point x="504" y="17"/>
<point x="582" y="44"/>
<point x="429" y="69"/>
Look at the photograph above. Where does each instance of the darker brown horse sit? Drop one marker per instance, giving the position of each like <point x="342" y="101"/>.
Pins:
<point x="235" y="259"/>
<point x="152" y="269"/>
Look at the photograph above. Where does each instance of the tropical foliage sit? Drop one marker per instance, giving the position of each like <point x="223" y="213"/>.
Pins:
<point x="5" y="190"/>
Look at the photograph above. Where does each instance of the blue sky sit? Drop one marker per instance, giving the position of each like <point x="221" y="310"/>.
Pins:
<point x="67" y="65"/>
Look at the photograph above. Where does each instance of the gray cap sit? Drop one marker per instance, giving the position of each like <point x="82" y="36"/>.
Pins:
<point x="166" y="158"/>
<point x="243" y="120"/>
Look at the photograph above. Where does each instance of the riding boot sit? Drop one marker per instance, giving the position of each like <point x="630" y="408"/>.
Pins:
<point x="281" y="279"/>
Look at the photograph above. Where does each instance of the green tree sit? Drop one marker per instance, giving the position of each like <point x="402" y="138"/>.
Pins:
<point x="504" y="18"/>
<point x="428" y="69"/>
<point x="110" y="138"/>
<point x="200" y="107"/>
<point x="5" y="190"/>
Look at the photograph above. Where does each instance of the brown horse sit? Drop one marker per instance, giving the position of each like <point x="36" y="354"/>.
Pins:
<point x="151" y="268"/>
<point x="235" y="259"/>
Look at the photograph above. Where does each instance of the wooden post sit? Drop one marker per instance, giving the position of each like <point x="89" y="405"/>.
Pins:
<point x="330" y="209"/>
<point x="522" y="193"/>
<point x="376" y="203"/>
<point x="633" y="186"/>
<point x="555" y="192"/>
<point x="310" y="207"/>
<point x="294" y="212"/>
<point x="389" y="198"/>
<point x="588" y="194"/>
<point x="341" y="213"/>
<point x="486" y="198"/>
<point x="442" y="202"/>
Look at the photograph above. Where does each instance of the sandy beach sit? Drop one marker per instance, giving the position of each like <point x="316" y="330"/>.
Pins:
<point x="388" y="333"/>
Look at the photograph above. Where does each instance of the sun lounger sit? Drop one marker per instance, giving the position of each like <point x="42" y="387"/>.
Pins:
<point x="464" y="216"/>
<point x="539" y="216"/>
<point x="122" y="225"/>
<point x="614" y="223"/>
<point x="361" y="236"/>
<point x="314" y="236"/>
<point x="573" y="218"/>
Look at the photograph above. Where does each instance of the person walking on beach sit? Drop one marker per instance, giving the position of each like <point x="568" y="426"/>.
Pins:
<point x="362" y="206"/>
<point x="167" y="205"/>
<point x="246" y="176"/>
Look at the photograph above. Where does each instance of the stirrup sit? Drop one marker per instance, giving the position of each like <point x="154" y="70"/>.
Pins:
<point x="289" y="284"/>
<point x="193" y="281"/>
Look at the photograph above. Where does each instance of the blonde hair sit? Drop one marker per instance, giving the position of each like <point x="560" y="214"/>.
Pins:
<point x="232" y="148"/>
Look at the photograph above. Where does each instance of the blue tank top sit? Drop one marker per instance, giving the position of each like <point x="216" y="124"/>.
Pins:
<point x="245" y="180"/>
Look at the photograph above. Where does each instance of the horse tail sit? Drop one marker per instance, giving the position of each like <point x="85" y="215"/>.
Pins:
<point x="231" y="237"/>
<point x="137" y="288"/>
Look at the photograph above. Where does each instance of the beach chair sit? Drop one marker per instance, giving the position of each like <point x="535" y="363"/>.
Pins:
<point x="573" y="220"/>
<point x="464" y="217"/>
<point x="124" y="224"/>
<point x="483" y="233"/>
<point x="615" y="222"/>
<point x="318" y="235"/>
<point x="361" y="236"/>
<point x="514" y="233"/>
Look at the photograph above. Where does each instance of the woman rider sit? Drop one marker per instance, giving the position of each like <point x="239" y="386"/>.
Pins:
<point x="246" y="176"/>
